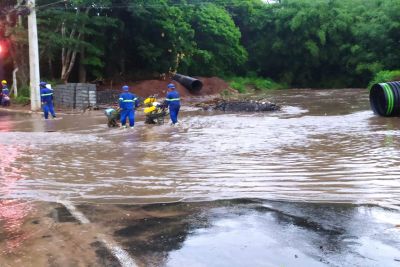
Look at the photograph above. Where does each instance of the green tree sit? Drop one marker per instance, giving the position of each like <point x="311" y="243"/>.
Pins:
<point x="72" y="29"/>
<point x="218" y="48"/>
<point x="315" y="43"/>
<point x="376" y="41"/>
<point x="154" y="36"/>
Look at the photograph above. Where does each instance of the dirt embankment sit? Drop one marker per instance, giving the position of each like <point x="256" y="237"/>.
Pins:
<point x="211" y="86"/>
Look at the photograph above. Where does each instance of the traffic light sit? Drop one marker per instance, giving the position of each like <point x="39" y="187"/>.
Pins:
<point x="3" y="48"/>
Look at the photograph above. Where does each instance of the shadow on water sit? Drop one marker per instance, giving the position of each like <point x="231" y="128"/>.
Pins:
<point x="251" y="232"/>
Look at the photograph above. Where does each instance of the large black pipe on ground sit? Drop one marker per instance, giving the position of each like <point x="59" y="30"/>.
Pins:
<point x="190" y="83"/>
<point x="385" y="99"/>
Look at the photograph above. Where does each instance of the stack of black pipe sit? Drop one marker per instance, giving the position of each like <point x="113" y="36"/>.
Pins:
<point x="190" y="83"/>
<point x="385" y="99"/>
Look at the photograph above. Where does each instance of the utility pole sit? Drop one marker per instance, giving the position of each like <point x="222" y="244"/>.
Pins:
<point x="33" y="57"/>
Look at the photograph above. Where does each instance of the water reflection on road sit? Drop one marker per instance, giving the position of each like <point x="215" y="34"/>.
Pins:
<point x="13" y="212"/>
<point x="252" y="233"/>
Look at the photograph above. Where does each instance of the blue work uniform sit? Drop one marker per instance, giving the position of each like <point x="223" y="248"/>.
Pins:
<point x="128" y="102"/>
<point x="5" y="92"/>
<point x="46" y="96"/>
<point x="1" y="94"/>
<point x="174" y="104"/>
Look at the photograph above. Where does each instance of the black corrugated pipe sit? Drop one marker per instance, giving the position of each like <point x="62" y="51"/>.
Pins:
<point x="190" y="83"/>
<point x="385" y="99"/>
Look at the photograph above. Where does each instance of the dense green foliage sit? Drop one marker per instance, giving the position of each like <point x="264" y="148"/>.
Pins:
<point x="385" y="76"/>
<point x="218" y="42"/>
<point x="309" y="43"/>
<point x="242" y="84"/>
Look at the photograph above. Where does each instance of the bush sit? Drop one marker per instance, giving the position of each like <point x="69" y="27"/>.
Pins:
<point x="238" y="86"/>
<point x="241" y="84"/>
<point x="23" y="100"/>
<point x="23" y="96"/>
<point x="385" y="76"/>
<point x="24" y="91"/>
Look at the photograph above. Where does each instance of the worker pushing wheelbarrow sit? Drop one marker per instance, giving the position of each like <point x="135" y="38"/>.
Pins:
<point x="154" y="111"/>
<point x="113" y="116"/>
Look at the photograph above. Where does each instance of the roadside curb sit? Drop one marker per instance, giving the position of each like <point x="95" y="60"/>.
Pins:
<point x="19" y="111"/>
<point x="39" y="112"/>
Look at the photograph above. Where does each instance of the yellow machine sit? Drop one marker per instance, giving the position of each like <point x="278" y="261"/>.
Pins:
<point x="155" y="112"/>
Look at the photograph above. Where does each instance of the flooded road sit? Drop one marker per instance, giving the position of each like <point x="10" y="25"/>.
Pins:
<point x="324" y="147"/>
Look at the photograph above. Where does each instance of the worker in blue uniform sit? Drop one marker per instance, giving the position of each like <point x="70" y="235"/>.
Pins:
<point x="3" y="84"/>
<point x="173" y="102"/>
<point x="46" y="96"/>
<point x="127" y="102"/>
<point x="5" y="94"/>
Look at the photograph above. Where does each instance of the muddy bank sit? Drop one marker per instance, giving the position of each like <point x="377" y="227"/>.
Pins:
<point x="211" y="86"/>
<point x="46" y="234"/>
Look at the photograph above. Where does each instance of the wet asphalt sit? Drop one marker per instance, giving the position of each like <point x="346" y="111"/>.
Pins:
<point x="239" y="232"/>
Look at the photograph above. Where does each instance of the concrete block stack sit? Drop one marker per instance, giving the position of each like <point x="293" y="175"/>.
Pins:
<point x="75" y="95"/>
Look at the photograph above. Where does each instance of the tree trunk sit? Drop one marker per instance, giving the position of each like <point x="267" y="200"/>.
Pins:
<point x="82" y="67"/>
<point x="14" y="87"/>
<point x="67" y="68"/>
<point x="122" y="66"/>
<point x="19" y="53"/>
<point x="68" y="55"/>
<point x="51" y="68"/>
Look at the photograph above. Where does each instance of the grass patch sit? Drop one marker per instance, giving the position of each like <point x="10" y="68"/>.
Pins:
<point x="238" y="86"/>
<point x="385" y="76"/>
<point x="243" y="84"/>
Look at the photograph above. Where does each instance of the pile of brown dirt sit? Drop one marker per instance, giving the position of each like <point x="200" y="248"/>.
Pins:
<point x="211" y="86"/>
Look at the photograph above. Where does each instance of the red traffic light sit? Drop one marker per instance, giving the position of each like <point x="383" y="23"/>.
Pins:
<point x="3" y="48"/>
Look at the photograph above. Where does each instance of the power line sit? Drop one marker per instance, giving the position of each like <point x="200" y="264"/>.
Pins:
<point x="69" y="6"/>
<point x="144" y="5"/>
<point x="50" y="4"/>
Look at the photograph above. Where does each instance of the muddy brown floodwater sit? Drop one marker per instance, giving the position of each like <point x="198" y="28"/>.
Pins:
<point x="325" y="148"/>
